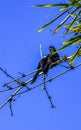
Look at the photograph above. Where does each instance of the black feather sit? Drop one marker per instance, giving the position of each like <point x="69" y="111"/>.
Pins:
<point x="46" y="63"/>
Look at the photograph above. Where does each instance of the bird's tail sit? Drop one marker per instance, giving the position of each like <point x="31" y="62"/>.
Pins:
<point x="35" y="77"/>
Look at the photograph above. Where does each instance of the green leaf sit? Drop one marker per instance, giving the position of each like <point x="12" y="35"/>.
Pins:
<point x="72" y="22"/>
<point x="74" y="56"/>
<point x="73" y="0"/>
<point x="76" y="3"/>
<point x="71" y="41"/>
<point x="50" y="22"/>
<point x="50" y="5"/>
<point x="60" y="25"/>
<point x="76" y="29"/>
<point x="63" y="8"/>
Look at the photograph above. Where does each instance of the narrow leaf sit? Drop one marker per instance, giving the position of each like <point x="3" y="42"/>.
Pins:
<point x="71" y="41"/>
<point x="74" y="56"/>
<point x="50" y="22"/>
<point x="60" y="25"/>
<point x="72" y="22"/>
<point x="50" y="5"/>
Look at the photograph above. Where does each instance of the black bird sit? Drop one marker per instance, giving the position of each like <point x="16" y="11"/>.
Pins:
<point x="47" y="62"/>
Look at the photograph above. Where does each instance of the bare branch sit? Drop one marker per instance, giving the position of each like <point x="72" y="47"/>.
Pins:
<point x="49" y="97"/>
<point x="64" y="59"/>
<point x="10" y="105"/>
<point x="23" y="84"/>
<point x="13" y="94"/>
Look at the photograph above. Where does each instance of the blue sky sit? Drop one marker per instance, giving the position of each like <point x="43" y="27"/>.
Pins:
<point x="20" y="52"/>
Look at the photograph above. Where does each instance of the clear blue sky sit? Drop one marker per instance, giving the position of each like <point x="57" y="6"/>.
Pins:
<point x="19" y="52"/>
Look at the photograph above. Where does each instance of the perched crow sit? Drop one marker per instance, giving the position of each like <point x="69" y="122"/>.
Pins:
<point x="47" y="62"/>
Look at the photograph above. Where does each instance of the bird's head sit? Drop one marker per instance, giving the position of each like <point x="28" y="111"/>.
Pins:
<point x="52" y="49"/>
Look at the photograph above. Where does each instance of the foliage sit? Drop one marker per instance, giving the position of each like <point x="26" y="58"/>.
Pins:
<point x="72" y="12"/>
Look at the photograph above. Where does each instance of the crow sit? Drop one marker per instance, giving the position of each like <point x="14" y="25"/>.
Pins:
<point x="46" y="63"/>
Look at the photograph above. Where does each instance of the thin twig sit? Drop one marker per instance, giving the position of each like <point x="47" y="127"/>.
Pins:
<point x="45" y="89"/>
<point x="41" y="55"/>
<point x="49" y="97"/>
<point x="5" y="72"/>
<point x="49" y="80"/>
<point x="16" y="92"/>
<point x="22" y="76"/>
<point x="10" y="105"/>
<point x="64" y="59"/>
<point x="13" y="94"/>
<point x="4" y="90"/>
